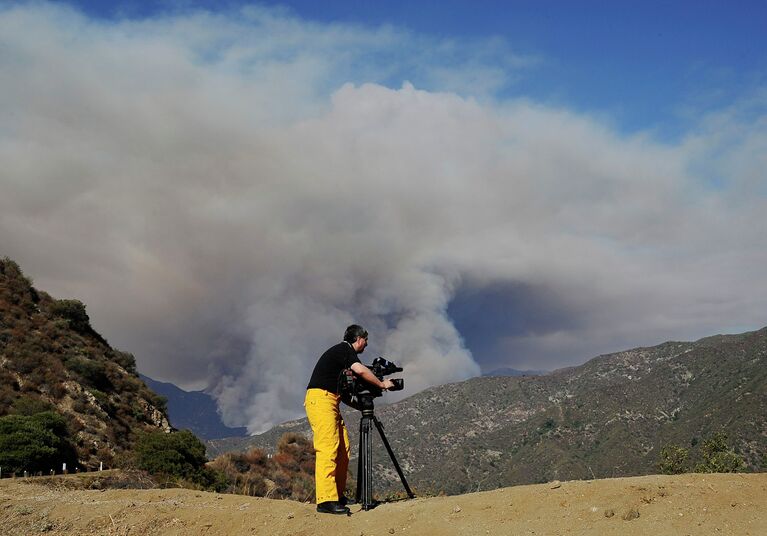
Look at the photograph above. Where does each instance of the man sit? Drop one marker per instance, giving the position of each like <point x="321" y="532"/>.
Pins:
<point x="331" y="440"/>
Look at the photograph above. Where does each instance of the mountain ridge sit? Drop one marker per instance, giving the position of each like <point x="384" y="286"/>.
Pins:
<point x="607" y="417"/>
<point x="193" y="410"/>
<point x="508" y="371"/>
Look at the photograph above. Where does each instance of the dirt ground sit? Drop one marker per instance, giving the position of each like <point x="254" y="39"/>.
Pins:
<point x="724" y="504"/>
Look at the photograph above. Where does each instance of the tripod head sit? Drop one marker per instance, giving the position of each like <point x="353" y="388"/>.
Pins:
<point x="364" y="403"/>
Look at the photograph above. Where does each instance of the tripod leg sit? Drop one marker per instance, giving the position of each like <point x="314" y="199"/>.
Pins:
<point x="379" y="426"/>
<point x="360" y="472"/>
<point x="364" y="493"/>
<point x="369" y="502"/>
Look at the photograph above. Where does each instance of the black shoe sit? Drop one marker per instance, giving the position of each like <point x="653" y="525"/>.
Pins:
<point x="332" y="507"/>
<point x="346" y="500"/>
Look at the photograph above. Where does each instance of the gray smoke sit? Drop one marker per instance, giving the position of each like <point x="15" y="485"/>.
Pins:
<point x="228" y="192"/>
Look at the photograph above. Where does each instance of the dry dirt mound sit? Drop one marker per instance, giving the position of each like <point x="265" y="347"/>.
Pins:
<point x="651" y="505"/>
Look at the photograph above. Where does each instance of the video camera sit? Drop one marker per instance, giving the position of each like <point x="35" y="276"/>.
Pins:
<point x="350" y="386"/>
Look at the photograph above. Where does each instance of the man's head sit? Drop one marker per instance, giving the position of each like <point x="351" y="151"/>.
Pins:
<point x="357" y="336"/>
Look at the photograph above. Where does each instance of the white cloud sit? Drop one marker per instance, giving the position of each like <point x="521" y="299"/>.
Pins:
<point x="226" y="195"/>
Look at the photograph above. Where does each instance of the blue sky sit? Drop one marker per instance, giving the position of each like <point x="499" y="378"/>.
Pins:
<point x="643" y="65"/>
<point x="482" y="185"/>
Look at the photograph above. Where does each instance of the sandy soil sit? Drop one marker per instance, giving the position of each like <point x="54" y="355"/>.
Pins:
<point x="651" y="505"/>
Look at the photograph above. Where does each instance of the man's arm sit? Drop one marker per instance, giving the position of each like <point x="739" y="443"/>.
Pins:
<point x="363" y="372"/>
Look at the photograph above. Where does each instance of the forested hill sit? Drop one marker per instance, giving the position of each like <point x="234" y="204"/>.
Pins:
<point x="62" y="387"/>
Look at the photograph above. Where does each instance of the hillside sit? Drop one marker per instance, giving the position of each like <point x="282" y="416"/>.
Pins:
<point x="51" y="360"/>
<point x="609" y="417"/>
<point x="506" y="371"/>
<point x="729" y="504"/>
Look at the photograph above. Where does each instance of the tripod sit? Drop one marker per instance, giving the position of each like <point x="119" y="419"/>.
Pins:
<point x="364" y="495"/>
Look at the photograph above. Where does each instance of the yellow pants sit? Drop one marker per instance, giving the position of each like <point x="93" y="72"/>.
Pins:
<point x="331" y="443"/>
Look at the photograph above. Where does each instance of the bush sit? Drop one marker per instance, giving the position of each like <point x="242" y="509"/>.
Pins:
<point x="102" y="399"/>
<point x="93" y="373"/>
<point x="718" y="457"/>
<point x="19" y="284"/>
<point x="288" y="474"/>
<point x="176" y="454"/>
<point x="715" y="457"/>
<point x="35" y="443"/>
<point x="673" y="460"/>
<point x="74" y="312"/>
<point x="158" y="401"/>
<point x="29" y="406"/>
<point x="126" y="361"/>
<point x="26" y="362"/>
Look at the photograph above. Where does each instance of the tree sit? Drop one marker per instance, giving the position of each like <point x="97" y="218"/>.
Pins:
<point x="34" y="443"/>
<point x="176" y="454"/>
<point x="715" y="457"/>
<point x="74" y="312"/>
<point x="718" y="457"/>
<point x="126" y="361"/>
<point x="673" y="460"/>
<point x="92" y="372"/>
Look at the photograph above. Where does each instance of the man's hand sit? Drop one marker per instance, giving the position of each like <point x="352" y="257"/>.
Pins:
<point x="387" y="384"/>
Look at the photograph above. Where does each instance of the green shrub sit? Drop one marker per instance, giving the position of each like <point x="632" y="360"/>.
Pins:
<point x="26" y="405"/>
<point x="126" y="361"/>
<point x="715" y="456"/>
<point x="74" y="312"/>
<point x="673" y="460"/>
<point x="158" y="401"/>
<point x="93" y="373"/>
<point x="718" y="457"/>
<point x="176" y="454"/>
<point x="722" y="462"/>
<point x="18" y="283"/>
<point x="35" y="443"/>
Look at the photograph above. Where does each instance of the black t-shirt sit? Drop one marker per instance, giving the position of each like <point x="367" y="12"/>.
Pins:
<point x="329" y="367"/>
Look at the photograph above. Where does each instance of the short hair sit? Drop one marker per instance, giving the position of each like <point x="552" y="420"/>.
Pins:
<point x="355" y="332"/>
